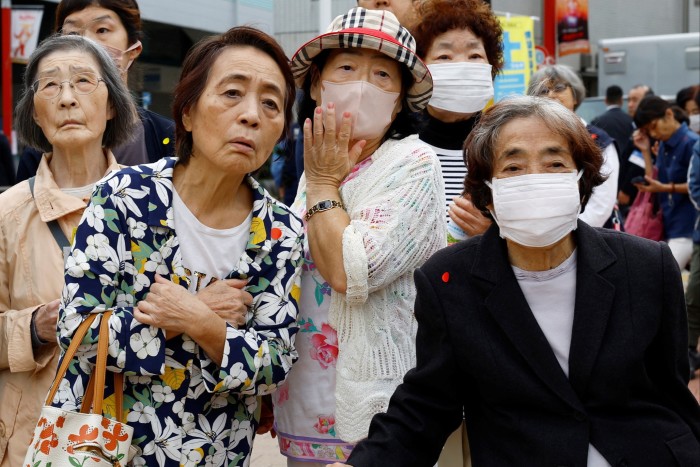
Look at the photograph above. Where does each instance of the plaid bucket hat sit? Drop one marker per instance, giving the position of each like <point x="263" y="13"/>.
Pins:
<point x="370" y="29"/>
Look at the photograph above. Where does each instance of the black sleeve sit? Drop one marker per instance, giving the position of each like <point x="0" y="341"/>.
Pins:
<point x="667" y="358"/>
<point x="28" y="164"/>
<point x="7" y="168"/>
<point x="427" y="407"/>
<point x="159" y="133"/>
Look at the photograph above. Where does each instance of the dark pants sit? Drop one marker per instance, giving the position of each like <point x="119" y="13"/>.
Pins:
<point x="692" y="298"/>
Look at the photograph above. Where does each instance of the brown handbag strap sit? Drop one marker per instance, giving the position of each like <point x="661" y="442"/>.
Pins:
<point x="70" y="353"/>
<point x="90" y="392"/>
<point x="95" y="388"/>
<point x="100" y="371"/>
<point x="118" y="396"/>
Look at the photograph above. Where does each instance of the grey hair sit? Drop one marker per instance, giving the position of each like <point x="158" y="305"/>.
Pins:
<point x="119" y="128"/>
<point x="479" y="149"/>
<point x="557" y="74"/>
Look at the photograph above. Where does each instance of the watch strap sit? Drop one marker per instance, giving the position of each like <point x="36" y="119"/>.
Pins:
<point x="324" y="205"/>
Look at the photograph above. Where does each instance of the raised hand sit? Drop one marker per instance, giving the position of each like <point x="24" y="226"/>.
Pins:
<point x="328" y="156"/>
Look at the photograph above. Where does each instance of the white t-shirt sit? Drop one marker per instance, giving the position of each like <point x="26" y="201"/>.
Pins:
<point x="82" y="192"/>
<point x="207" y="254"/>
<point x="552" y="297"/>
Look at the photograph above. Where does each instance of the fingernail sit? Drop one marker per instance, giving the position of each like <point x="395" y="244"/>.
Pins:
<point x="331" y="105"/>
<point x="346" y="114"/>
<point x="319" y="110"/>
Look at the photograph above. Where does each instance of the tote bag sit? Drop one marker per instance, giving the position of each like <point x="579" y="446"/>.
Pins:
<point x="643" y="220"/>
<point x="64" y="438"/>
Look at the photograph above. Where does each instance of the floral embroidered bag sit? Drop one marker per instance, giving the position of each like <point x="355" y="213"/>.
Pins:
<point x="71" y="439"/>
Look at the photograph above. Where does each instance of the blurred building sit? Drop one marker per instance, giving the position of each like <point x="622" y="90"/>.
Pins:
<point x="297" y="21"/>
<point x="170" y="28"/>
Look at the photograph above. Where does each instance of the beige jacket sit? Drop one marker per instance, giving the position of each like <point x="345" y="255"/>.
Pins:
<point x="31" y="274"/>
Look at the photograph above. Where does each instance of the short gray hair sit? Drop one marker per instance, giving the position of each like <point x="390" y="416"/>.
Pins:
<point x="480" y="147"/>
<point x="557" y="74"/>
<point x="119" y="128"/>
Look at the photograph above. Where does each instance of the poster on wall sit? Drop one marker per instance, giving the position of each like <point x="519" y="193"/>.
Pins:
<point x="518" y="56"/>
<point x="572" y="27"/>
<point x="26" y="23"/>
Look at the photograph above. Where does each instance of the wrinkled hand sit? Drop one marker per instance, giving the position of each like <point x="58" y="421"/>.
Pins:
<point x="45" y="319"/>
<point x="654" y="185"/>
<point x="468" y="217"/>
<point x="328" y="156"/>
<point x="170" y="307"/>
<point x="641" y="140"/>
<point x="227" y="299"/>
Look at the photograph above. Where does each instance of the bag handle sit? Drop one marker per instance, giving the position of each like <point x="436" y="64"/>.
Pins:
<point x="96" y="385"/>
<point x="94" y="394"/>
<point x="70" y="353"/>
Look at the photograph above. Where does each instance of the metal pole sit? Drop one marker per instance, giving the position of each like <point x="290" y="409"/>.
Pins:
<point x="6" y="72"/>
<point x="324" y="15"/>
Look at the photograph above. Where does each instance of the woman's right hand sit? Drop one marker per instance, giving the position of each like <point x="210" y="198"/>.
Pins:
<point x="641" y="140"/>
<point x="227" y="299"/>
<point x="45" y="319"/>
<point x="468" y="217"/>
<point x="328" y="156"/>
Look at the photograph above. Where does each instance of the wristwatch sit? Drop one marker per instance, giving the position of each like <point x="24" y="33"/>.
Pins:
<point x="324" y="205"/>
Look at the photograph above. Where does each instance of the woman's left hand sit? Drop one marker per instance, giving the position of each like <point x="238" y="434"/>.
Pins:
<point x="653" y="186"/>
<point x="328" y="156"/>
<point x="170" y="307"/>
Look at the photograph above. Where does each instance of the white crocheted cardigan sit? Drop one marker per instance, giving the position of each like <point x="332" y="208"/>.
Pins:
<point x="397" y="221"/>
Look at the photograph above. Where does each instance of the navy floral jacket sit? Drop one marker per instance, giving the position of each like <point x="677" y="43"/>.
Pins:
<point x="185" y="409"/>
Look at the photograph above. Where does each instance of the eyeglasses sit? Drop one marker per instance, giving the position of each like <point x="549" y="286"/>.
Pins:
<point x="557" y="88"/>
<point x="80" y="83"/>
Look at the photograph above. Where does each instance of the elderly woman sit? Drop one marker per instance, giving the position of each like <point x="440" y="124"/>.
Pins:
<point x="116" y="26"/>
<point x="543" y="330"/>
<point x="373" y="203"/>
<point x="460" y="41"/>
<point x="74" y="107"/>
<point x="654" y="119"/>
<point x="158" y="240"/>
<point x="560" y="83"/>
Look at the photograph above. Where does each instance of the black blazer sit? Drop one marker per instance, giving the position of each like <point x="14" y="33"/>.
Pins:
<point x="480" y="349"/>
<point x="617" y="124"/>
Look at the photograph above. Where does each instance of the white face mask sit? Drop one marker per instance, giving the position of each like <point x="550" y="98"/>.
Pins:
<point x="695" y="123"/>
<point x="372" y="108"/>
<point x="536" y="210"/>
<point x="462" y="87"/>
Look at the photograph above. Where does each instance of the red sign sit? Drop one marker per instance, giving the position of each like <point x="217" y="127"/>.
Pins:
<point x="572" y="27"/>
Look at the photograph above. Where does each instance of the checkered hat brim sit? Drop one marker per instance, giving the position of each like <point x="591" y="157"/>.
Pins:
<point x="370" y="29"/>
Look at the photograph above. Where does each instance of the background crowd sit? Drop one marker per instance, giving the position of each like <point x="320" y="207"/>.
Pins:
<point x="344" y="323"/>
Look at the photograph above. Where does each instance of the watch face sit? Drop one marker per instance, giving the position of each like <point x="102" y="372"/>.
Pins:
<point x="325" y="204"/>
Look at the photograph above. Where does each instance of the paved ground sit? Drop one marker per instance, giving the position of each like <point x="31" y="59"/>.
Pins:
<point x="266" y="453"/>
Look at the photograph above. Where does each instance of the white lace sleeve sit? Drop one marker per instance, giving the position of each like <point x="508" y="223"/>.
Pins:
<point x="397" y="222"/>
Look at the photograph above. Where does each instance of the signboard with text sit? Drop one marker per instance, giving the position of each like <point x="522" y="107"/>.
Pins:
<point x="518" y="55"/>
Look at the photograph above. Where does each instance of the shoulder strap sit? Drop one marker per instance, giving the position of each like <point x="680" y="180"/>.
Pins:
<point x="55" y="229"/>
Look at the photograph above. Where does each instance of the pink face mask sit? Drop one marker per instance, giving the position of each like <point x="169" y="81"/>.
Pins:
<point x="118" y="55"/>
<point x="372" y="108"/>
